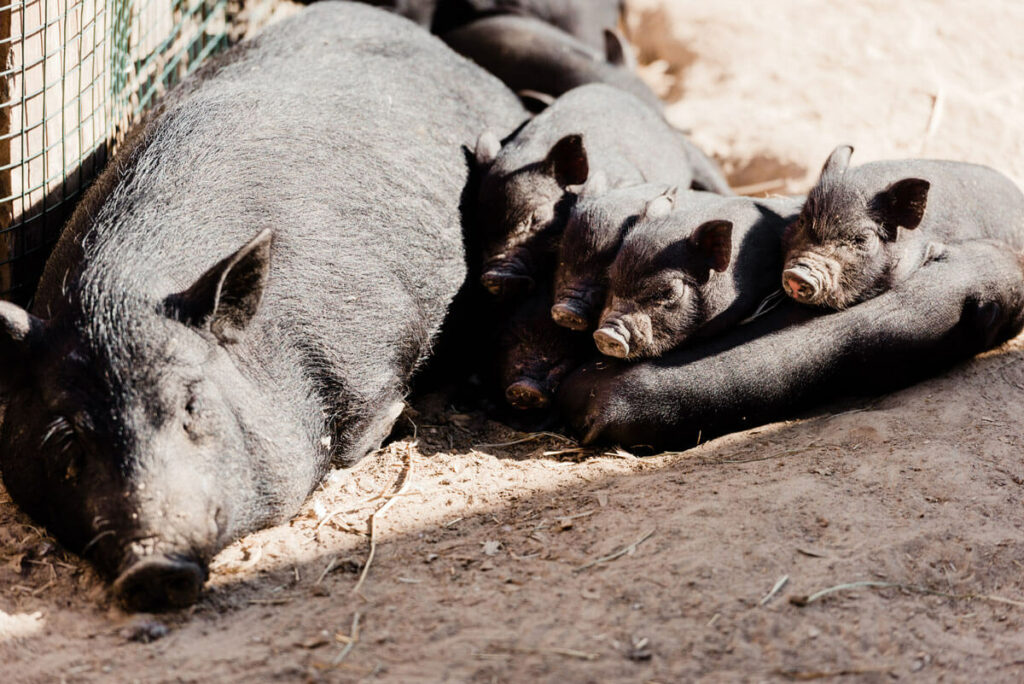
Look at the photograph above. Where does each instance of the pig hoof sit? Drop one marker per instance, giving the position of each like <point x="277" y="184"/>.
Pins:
<point x="611" y="343"/>
<point x="505" y="284"/>
<point x="526" y="394"/>
<point x="568" y="316"/>
<point x="159" y="583"/>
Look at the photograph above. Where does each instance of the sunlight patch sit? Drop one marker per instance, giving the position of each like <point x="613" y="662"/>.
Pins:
<point x="20" y="625"/>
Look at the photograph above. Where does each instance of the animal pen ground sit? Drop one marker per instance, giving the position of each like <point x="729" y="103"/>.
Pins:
<point x="504" y="556"/>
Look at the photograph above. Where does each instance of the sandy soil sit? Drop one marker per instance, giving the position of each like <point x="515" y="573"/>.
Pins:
<point x="513" y="557"/>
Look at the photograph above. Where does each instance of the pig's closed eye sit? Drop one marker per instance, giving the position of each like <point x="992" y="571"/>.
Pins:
<point x="670" y="294"/>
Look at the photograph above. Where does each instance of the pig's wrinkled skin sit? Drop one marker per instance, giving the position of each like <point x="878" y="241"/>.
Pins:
<point x="534" y="354"/>
<point x="243" y="295"/>
<point x="597" y="225"/>
<point x="530" y="55"/>
<point x="699" y="270"/>
<point x="967" y="298"/>
<point x="859" y="226"/>
<point x="530" y="182"/>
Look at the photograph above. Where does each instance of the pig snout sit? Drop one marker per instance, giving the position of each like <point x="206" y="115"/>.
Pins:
<point x="576" y="305"/>
<point x="571" y="314"/>
<point x="612" y="339"/>
<point x="507" y="277"/>
<point x="159" y="583"/>
<point x="800" y="283"/>
<point x="527" y="393"/>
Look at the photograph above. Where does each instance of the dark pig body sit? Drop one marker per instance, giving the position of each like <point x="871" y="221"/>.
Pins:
<point x="528" y="54"/>
<point x="530" y="182"/>
<point x="960" y="303"/>
<point x="699" y="270"/>
<point x="597" y="225"/>
<point x="243" y="295"/>
<point x="864" y="228"/>
<point x="585" y="19"/>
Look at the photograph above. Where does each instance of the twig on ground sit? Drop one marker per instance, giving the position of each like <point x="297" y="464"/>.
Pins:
<point x="775" y="589"/>
<point x="763" y="186"/>
<point x="350" y="641"/>
<point x="566" y="652"/>
<point x="372" y="521"/>
<point x="913" y="588"/>
<point x="528" y="438"/>
<point x="330" y="566"/>
<point x="618" y="554"/>
<point x="803" y="676"/>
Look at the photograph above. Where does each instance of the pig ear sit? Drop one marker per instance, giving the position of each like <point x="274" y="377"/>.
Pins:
<point x="901" y="204"/>
<point x="567" y="161"/>
<point x="661" y="206"/>
<point x="837" y="162"/>
<point x="18" y="329"/>
<point x="487" y="148"/>
<point x="225" y="298"/>
<point x="714" y="241"/>
<point x="617" y="51"/>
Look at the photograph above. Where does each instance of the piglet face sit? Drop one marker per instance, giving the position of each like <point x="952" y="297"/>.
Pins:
<point x="647" y="323"/>
<point x="833" y="262"/>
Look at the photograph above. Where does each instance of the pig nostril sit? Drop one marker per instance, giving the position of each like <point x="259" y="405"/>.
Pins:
<point x="611" y="343"/>
<point x="798" y="284"/>
<point x="526" y="394"/>
<point x="568" y="316"/>
<point x="159" y="583"/>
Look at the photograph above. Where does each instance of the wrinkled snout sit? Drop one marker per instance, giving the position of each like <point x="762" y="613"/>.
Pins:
<point x="801" y="283"/>
<point x="508" y="275"/>
<point x="506" y="283"/>
<point x="526" y="394"/>
<point x="571" y="314"/>
<point x="159" y="583"/>
<point x="612" y="339"/>
<point x="578" y="301"/>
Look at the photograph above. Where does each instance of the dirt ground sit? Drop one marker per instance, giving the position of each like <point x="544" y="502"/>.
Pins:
<point x="509" y="557"/>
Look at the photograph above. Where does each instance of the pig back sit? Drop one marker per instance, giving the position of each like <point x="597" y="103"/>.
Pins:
<point x="965" y="201"/>
<point x="624" y="137"/>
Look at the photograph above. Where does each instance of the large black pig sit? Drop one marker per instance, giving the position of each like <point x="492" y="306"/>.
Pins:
<point x="532" y="180"/>
<point x="584" y="19"/>
<point x="965" y="299"/>
<point x="530" y="55"/>
<point x="243" y="294"/>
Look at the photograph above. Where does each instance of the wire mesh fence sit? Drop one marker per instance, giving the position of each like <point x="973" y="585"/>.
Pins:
<point x="76" y="74"/>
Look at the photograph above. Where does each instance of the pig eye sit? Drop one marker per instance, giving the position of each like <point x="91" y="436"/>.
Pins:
<point x="192" y="406"/>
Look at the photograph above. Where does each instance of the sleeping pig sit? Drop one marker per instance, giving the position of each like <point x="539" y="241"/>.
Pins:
<point x="702" y="268"/>
<point x="597" y="225"/>
<point x="863" y="229"/>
